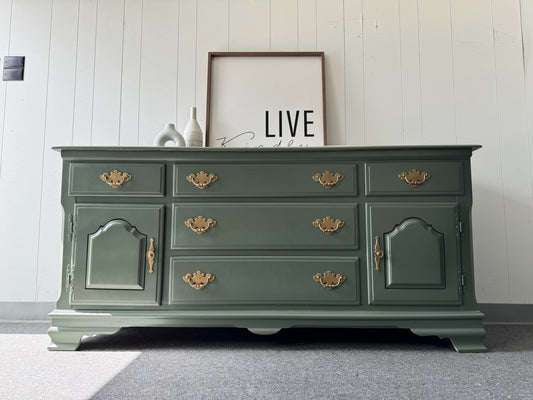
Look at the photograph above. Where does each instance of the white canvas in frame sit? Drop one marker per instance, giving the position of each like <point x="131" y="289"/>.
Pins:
<point x="265" y="100"/>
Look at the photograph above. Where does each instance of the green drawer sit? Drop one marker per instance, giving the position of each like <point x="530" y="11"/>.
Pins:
<point x="261" y="180"/>
<point x="264" y="226"/>
<point x="146" y="180"/>
<point x="264" y="280"/>
<point x="447" y="178"/>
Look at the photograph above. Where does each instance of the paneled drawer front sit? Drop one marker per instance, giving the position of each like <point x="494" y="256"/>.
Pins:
<point x="263" y="226"/>
<point x="90" y="179"/>
<point x="264" y="280"/>
<point x="445" y="178"/>
<point x="263" y="180"/>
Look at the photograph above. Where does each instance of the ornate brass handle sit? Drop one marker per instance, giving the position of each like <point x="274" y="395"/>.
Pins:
<point x="378" y="254"/>
<point x="414" y="178"/>
<point x="150" y="255"/>
<point x="329" y="279"/>
<point x="199" y="280"/>
<point x="202" y="179"/>
<point x="328" y="225"/>
<point x="200" y="225"/>
<point x="115" y="178"/>
<point x="328" y="179"/>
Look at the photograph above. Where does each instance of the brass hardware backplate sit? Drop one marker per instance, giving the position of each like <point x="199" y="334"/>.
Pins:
<point x="328" y="225"/>
<point x="328" y="179"/>
<point x="414" y="178"/>
<point x="202" y="179"/>
<point x="378" y="254"/>
<point x="200" y="225"/>
<point x="199" y="280"/>
<point x="329" y="279"/>
<point x="115" y="179"/>
<point x="150" y="255"/>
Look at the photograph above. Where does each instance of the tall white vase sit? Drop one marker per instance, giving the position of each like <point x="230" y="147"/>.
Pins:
<point x="193" y="133"/>
<point x="169" y="134"/>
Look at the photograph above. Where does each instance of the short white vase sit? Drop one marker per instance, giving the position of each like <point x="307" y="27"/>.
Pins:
<point x="169" y="134"/>
<point x="193" y="133"/>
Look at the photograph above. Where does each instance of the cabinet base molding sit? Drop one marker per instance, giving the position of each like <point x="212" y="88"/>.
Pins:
<point x="463" y="328"/>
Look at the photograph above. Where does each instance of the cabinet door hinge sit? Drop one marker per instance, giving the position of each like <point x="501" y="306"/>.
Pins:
<point x="462" y="279"/>
<point x="70" y="271"/>
<point x="70" y="223"/>
<point x="460" y="226"/>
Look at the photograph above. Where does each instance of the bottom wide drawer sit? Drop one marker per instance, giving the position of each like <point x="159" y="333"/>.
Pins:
<point x="264" y="280"/>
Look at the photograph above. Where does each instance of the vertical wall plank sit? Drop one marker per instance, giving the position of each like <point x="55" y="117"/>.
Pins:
<point x="354" y="72"/>
<point x="306" y="25"/>
<point x="21" y="180"/>
<point x="249" y="25"/>
<point x="131" y="73"/>
<point x="410" y="60"/>
<point x="186" y="62"/>
<point x="108" y="73"/>
<point x="382" y="64"/>
<point x="58" y="132"/>
<point x="330" y="39"/>
<point x="5" y="35"/>
<point x="436" y="73"/>
<point x="159" y="68"/>
<point x="477" y="122"/>
<point x="526" y="14"/>
<point x="212" y="35"/>
<point x="514" y="143"/>
<point x="86" y="47"/>
<point x="284" y="25"/>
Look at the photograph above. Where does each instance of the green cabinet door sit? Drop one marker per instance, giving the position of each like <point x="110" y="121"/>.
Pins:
<point x="110" y="261"/>
<point x="413" y="253"/>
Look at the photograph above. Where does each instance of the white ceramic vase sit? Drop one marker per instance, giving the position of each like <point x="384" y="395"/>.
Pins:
<point x="169" y="134"/>
<point x="193" y="133"/>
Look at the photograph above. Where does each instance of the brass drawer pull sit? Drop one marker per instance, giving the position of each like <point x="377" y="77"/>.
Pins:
<point x="328" y="179"/>
<point x="116" y="178"/>
<point x="414" y="178"/>
<point x="378" y="254"/>
<point x="329" y="279"/>
<point x="202" y="179"/>
<point x="200" y="225"/>
<point x="150" y="255"/>
<point x="198" y="280"/>
<point x="328" y="225"/>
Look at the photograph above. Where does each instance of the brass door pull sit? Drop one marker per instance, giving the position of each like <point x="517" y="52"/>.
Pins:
<point x="328" y="179"/>
<point x="199" y="280"/>
<point x="202" y="179"/>
<point x="414" y="178"/>
<point x="115" y="179"/>
<point x="378" y="254"/>
<point x="200" y="225"/>
<point x="150" y="255"/>
<point x="328" y="225"/>
<point x="329" y="279"/>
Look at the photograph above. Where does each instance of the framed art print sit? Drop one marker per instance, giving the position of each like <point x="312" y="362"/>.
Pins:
<point x="265" y="99"/>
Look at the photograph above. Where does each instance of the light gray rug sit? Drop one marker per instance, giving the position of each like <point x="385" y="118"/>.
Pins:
<point x="303" y="364"/>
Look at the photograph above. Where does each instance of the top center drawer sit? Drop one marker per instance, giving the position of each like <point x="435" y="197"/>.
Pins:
<point x="262" y="180"/>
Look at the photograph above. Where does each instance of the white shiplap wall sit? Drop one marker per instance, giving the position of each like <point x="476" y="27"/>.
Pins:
<point x="113" y="72"/>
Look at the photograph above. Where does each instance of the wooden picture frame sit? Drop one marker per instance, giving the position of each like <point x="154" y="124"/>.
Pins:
<point x="265" y="99"/>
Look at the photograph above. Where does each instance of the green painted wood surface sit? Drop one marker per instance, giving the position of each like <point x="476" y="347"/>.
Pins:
<point x="265" y="180"/>
<point x="446" y="178"/>
<point x="264" y="226"/>
<point x="264" y="280"/>
<point x="147" y="180"/>
<point x="421" y="262"/>
<point x="265" y="202"/>
<point x="110" y="266"/>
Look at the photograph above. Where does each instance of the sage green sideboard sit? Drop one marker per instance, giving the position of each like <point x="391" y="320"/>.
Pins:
<point x="267" y="239"/>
